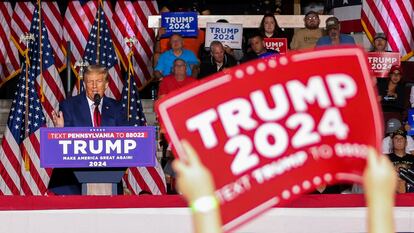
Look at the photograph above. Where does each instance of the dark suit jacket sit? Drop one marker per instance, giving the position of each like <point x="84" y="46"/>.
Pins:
<point x="209" y="66"/>
<point x="76" y="113"/>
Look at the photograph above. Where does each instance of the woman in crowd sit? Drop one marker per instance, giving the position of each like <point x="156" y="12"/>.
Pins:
<point x="391" y="91"/>
<point x="269" y="27"/>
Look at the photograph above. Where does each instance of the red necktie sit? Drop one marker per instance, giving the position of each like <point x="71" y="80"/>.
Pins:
<point x="96" y="117"/>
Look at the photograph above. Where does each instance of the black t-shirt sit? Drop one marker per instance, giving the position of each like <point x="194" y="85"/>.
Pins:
<point x="390" y="103"/>
<point x="407" y="159"/>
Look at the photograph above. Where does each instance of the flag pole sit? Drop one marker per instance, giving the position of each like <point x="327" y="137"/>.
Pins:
<point x="100" y="4"/>
<point x="129" y="41"/>
<point x="42" y="98"/>
<point x="129" y="83"/>
<point x="25" y="38"/>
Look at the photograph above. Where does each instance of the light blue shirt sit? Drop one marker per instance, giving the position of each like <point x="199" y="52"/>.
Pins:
<point x="166" y="60"/>
<point x="343" y="39"/>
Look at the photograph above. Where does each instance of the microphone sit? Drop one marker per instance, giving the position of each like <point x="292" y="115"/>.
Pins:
<point x="97" y="99"/>
<point x="403" y="175"/>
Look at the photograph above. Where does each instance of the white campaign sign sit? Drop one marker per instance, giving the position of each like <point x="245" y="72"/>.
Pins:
<point x="227" y="33"/>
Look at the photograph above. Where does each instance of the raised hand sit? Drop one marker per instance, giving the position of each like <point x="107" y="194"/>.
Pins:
<point x="58" y="119"/>
<point x="380" y="180"/>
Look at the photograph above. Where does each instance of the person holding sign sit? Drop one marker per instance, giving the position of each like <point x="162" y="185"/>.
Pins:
<point x="334" y="37"/>
<point x="258" y="48"/>
<point x="194" y="181"/>
<point x="91" y="108"/>
<point x="307" y="37"/>
<point x="165" y="62"/>
<point x="217" y="61"/>
<point x="380" y="43"/>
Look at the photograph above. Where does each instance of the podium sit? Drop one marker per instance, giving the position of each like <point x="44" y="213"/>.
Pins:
<point x="92" y="161"/>
<point x="99" y="181"/>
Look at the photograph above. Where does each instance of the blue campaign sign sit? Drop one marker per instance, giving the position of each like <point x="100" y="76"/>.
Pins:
<point x="82" y="147"/>
<point x="183" y="23"/>
<point x="411" y="121"/>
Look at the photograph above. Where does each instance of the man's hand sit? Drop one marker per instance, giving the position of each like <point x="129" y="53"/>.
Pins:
<point x="58" y="119"/>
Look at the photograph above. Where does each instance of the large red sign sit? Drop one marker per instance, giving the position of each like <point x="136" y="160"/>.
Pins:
<point x="277" y="44"/>
<point x="381" y="63"/>
<point x="275" y="128"/>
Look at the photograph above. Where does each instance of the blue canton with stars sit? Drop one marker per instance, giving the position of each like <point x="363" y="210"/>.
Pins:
<point x="136" y="114"/>
<point x="107" y="55"/>
<point x="36" y="118"/>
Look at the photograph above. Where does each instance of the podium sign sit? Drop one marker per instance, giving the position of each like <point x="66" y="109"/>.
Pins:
<point x="274" y="128"/>
<point x="88" y="147"/>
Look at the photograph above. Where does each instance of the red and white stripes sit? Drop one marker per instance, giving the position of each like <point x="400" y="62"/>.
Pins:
<point x="395" y="18"/>
<point x="77" y="25"/>
<point x="9" y="56"/>
<point x="131" y="19"/>
<point x="22" y="17"/>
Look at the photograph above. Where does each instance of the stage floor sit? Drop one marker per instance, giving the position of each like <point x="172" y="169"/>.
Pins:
<point x="160" y="214"/>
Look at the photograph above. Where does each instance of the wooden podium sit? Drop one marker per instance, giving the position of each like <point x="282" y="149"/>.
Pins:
<point x="99" y="181"/>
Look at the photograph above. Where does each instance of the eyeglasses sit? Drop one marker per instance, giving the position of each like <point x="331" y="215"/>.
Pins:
<point x="311" y="18"/>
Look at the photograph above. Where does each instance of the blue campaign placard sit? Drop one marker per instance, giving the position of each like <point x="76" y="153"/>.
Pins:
<point x="183" y="23"/>
<point x="83" y="147"/>
<point x="411" y="121"/>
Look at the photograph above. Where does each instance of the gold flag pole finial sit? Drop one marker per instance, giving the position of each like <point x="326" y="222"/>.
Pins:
<point x="130" y="41"/>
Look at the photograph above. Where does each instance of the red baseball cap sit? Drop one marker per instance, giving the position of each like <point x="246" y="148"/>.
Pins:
<point x="394" y="68"/>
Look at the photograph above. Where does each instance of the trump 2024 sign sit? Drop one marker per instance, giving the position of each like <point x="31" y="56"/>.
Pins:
<point x="275" y="128"/>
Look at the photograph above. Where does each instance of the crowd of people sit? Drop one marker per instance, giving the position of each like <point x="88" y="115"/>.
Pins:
<point x="179" y="61"/>
<point x="202" y="61"/>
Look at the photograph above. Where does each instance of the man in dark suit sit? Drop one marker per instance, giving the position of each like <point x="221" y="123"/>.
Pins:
<point x="90" y="108"/>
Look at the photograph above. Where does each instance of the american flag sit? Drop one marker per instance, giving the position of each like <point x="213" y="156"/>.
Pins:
<point x="150" y="179"/>
<point x="396" y="19"/>
<point x="20" y="23"/>
<point x="37" y="95"/>
<point x="77" y="25"/>
<point x="131" y="19"/>
<point x="348" y="12"/>
<point x="78" y="29"/>
<point x="9" y="55"/>
<point x="132" y="102"/>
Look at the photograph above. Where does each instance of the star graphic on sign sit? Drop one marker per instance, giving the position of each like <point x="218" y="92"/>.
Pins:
<point x="345" y="2"/>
